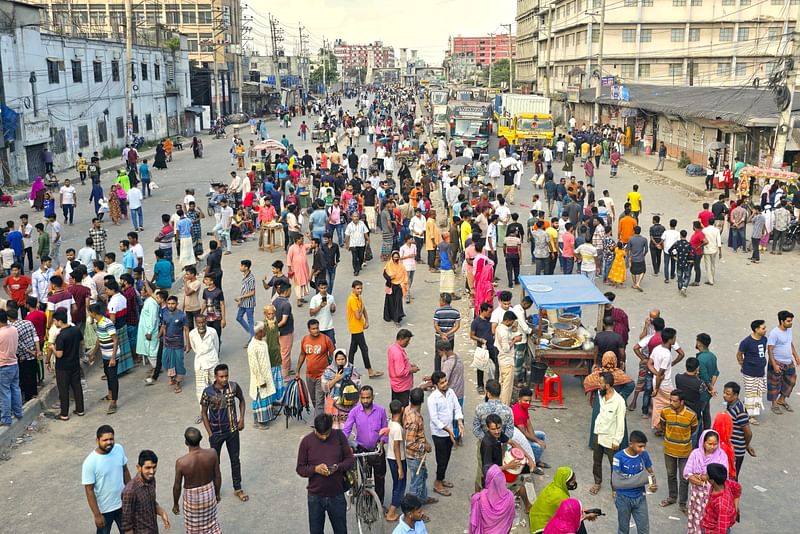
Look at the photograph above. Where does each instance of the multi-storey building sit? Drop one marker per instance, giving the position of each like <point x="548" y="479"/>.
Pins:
<point x="667" y="42"/>
<point x="356" y="55"/>
<point x="213" y="29"/>
<point x="486" y="49"/>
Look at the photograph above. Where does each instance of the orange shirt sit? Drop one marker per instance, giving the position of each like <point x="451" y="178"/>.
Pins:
<point x="625" y="228"/>
<point x="318" y="351"/>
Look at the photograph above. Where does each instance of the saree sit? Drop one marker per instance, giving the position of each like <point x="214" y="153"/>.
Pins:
<point x="484" y="276"/>
<point x="272" y="338"/>
<point x="566" y="519"/>
<point x="623" y="384"/>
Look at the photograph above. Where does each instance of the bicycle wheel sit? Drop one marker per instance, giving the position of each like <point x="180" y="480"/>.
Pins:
<point x="369" y="512"/>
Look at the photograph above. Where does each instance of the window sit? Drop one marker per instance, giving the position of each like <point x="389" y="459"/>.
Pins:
<point x="778" y="2"/>
<point x="626" y="71"/>
<point x="58" y="140"/>
<point x="647" y="3"/>
<point x="732" y="2"/>
<point x="644" y="70"/>
<point x="207" y="43"/>
<point x="148" y="121"/>
<point x="595" y="36"/>
<point x="144" y="71"/>
<point x="115" y="70"/>
<point x="697" y="2"/>
<point x="744" y="2"/>
<point x="723" y="69"/>
<point x="83" y="136"/>
<point x="694" y="35"/>
<point x="77" y="75"/>
<point x="204" y="14"/>
<point x="52" y="71"/>
<point x="741" y="69"/>
<point x="569" y="9"/>
<point x="743" y="34"/>
<point x="120" y="127"/>
<point x="188" y="14"/>
<point x="772" y="34"/>
<point x="173" y="17"/>
<point x="157" y="71"/>
<point x="102" y="130"/>
<point x="628" y="36"/>
<point x="678" y="3"/>
<point x="192" y="44"/>
<point x="645" y="36"/>
<point x="631" y="3"/>
<point x="676" y="35"/>
<point x="97" y="67"/>
<point x="676" y="69"/>
<point x="726" y="34"/>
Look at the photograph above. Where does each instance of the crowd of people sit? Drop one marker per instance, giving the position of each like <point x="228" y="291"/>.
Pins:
<point x="71" y="310"/>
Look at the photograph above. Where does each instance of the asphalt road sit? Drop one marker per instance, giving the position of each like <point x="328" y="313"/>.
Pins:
<point x="41" y="480"/>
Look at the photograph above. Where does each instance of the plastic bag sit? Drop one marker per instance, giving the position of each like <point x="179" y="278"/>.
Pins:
<point x="481" y="360"/>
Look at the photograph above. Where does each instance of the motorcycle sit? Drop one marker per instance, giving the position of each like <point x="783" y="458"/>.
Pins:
<point x="790" y="237"/>
<point x="137" y="142"/>
<point x="218" y="131"/>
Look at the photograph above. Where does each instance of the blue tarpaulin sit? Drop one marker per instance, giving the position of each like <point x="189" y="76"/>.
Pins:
<point x="567" y="291"/>
<point x="9" y="123"/>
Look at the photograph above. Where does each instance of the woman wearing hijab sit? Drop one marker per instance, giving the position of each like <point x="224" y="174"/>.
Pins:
<point x="723" y="426"/>
<point x="160" y="161"/>
<point x="622" y="383"/>
<point x="708" y="452"/>
<point x="492" y="510"/>
<point x="568" y="519"/>
<point x="551" y="497"/>
<point x="37" y="193"/>
<point x="261" y="385"/>
<point x="333" y="378"/>
<point x="483" y="269"/>
<point x="396" y="278"/>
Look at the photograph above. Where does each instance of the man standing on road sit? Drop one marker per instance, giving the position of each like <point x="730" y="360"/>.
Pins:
<point x="205" y="344"/>
<point x="321" y="307"/>
<point x="10" y="393"/>
<point x="68" y="198"/>
<point x="68" y="363"/>
<point x="317" y="349"/>
<point x="444" y="410"/>
<point x="323" y="458"/>
<point x="401" y="370"/>
<point x="677" y="423"/>
<point x="742" y="434"/>
<point x="656" y="244"/>
<point x="781" y="371"/>
<point x="637" y="250"/>
<point x="198" y="472"/>
<point x="446" y="323"/>
<point x="247" y="298"/>
<point x="752" y="358"/>
<point x="669" y="238"/>
<point x="631" y="471"/>
<point x="661" y="364"/>
<point x="372" y="430"/>
<point x="609" y="428"/>
<point x="417" y="446"/>
<point x="139" y="505"/>
<point x="356" y="240"/>
<point x="104" y="475"/>
<point x="218" y="411"/>
<point x="711" y="249"/>
<point x="357" y="323"/>
<point x="662" y="156"/>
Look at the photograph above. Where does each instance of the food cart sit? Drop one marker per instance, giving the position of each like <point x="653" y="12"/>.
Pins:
<point x="559" y="339"/>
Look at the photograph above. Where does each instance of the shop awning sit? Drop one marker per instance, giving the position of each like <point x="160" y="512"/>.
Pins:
<point x="197" y="110"/>
<point x="552" y="292"/>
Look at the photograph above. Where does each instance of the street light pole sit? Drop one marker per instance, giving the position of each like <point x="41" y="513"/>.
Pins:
<point x="782" y="133"/>
<point x="129" y="62"/>
<point x="510" y="60"/>
<point x="599" y="88"/>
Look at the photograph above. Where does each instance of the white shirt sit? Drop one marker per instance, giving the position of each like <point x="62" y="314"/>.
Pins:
<point x="662" y="359"/>
<point x="547" y="155"/>
<point x="138" y="252"/>
<point x="468" y="153"/>
<point x="134" y="198"/>
<point x="442" y="409"/>
<point x="27" y="232"/>
<point x="560" y="145"/>
<point x="523" y="328"/>
<point x="40" y="282"/>
<point x="417" y="226"/>
<point x="588" y="254"/>
<point x="380" y="152"/>
<point x="395" y="434"/>
<point x="324" y="315"/>
<point x="503" y="215"/>
<point x="494" y="169"/>
<point x="187" y="199"/>
<point x="206" y="349"/>
<point x="67" y="194"/>
<point x="363" y="161"/>
<point x="225" y="216"/>
<point x="714" y="239"/>
<point x="7" y="255"/>
<point x="236" y="184"/>
<point x="572" y="122"/>
<point x="669" y="237"/>
<point x="86" y="256"/>
<point x="356" y="233"/>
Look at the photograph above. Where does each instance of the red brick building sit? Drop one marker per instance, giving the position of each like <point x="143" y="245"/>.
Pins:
<point x="355" y="55"/>
<point x="485" y="49"/>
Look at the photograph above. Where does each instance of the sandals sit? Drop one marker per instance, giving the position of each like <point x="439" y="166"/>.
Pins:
<point x="447" y="484"/>
<point x="242" y="495"/>
<point x="754" y="421"/>
<point x="776" y="410"/>
<point x="430" y="500"/>
<point x="178" y="388"/>
<point x="63" y="418"/>
<point x="595" y="489"/>
<point x="667" y="502"/>
<point x="785" y="406"/>
<point x="444" y="492"/>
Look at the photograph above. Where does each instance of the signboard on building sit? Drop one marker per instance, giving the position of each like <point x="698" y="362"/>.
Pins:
<point x="607" y="81"/>
<point x="574" y="94"/>
<point x="620" y="92"/>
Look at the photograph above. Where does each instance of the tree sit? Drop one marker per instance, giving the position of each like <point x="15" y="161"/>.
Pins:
<point x="499" y="73"/>
<point x="327" y="69"/>
<point x="358" y="74"/>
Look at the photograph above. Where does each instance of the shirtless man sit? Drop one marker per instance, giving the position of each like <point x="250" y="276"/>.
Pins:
<point x="198" y="472"/>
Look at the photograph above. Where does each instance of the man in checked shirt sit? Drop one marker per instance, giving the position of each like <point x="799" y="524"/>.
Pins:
<point x="417" y="446"/>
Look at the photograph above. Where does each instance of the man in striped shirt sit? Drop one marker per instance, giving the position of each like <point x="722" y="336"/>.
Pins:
<point x="107" y="345"/>
<point x="247" y="298"/>
<point x="678" y="423"/>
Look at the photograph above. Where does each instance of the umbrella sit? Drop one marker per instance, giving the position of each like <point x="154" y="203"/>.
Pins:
<point x="270" y="145"/>
<point x="461" y="161"/>
<point x="295" y="400"/>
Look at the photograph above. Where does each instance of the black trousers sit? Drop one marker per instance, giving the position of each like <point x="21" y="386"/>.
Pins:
<point x="655" y="257"/>
<point x="66" y="380"/>
<point x="432" y="259"/>
<point x="231" y="441"/>
<point x="27" y="379"/>
<point x="159" y="360"/>
<point x="443" y="448"/>
<point x="27" y="253"/>
<point x="402" y="396"/>
<point x="420" y="242"/>
<point x="697" y="271"/>
<point x="512" y="270"/>
<point x="358" y="258"/>
<point x="598" y="451"/>
<point x="378" y="465"/>
<point x="358" y="341"/>
<point x="112" y="380"/>
<point x="551" y="266"/>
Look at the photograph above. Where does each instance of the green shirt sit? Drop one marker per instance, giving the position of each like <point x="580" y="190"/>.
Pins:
<point x="44" y="244"/>
<point x="708" y="370"/>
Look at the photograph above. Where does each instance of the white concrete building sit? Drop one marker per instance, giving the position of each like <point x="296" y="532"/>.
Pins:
<point x="69" y="93"/>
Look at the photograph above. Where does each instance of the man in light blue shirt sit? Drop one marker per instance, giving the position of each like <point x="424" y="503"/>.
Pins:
<point x="104" y="475"/>
<point x="412" y="520"/>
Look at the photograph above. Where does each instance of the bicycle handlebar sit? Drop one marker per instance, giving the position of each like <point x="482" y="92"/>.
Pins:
<point x="365" y="454"/>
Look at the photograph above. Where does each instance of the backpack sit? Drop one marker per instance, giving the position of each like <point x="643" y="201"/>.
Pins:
<point x="349" y="392"/>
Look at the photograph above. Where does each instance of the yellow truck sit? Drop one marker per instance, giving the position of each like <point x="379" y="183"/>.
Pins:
<point x="522" y="118"/>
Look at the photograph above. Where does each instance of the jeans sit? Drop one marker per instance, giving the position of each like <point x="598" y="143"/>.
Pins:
<point x="146" y="188"/>
<point x="417" y="483"/>
<point x="231" y="441"/>
<point x="756" y="253"/>
<point x="137" y="219"/>
<point x="335" y="506"/>
<point x="331" y="335"/>
<point x="777" y="237"/>
<point x="512" y="270"/>
<point x="537" y="449"/>
<point x="684" y="275"/>
<point x="669" y="266"/>
<point x="628" y="507"/>
<point x="567" y="264"/>
<point x="66" y="380"/>
<point x="541" y="265"/>
<point x="696" y="267"/>
<point x="10" y="394"/>
<point x="114" y="516"/>
<point x="358" y="258"/>
<point x="443" y="447"/>
<point x="660" y="164"/>
<point x="398" y="486"/>
<point x="674" y="477"/>
<point x="245" y="318"/>
<point x="647" y="399"/>
<point x="331" y="271"/>
<point x="607" y="267"/>
<point x="739" y="238"/>
<point x="358" y="341"/>
<point x="69" y="212"/>
<point x="456" y="431"/>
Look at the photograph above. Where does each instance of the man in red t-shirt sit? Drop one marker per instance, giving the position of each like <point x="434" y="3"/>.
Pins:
<point x="317" y="349"/>
<point x="698" y="241"/>
<point x="705" y="216"/>
<point x="522" y="420"/>
<point x="17" y="286"/>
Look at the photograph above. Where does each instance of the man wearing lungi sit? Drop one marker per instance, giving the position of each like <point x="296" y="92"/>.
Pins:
<point x="781" y="372"/>
<point x="198" y="472"/>
<point x="752" y="358"/>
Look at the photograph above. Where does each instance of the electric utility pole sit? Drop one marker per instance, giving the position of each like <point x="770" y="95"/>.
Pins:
<point x="276" y="34"/>
<point x="599" y="89"/>
<point x="550" y="12"/>
<point x="303" y="59"/>
<point x="784" y="123"/>
<point x="129" y="63"/>
<point x="510" y="60"/>
<point x="491" y="57"/>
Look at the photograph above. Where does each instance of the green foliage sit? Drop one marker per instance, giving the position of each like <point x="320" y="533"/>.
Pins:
<point x="328" y="67"/>
<point x="684" y="161"/>
<point x="499" y="73"/>
<point x="111" y="153"/>
<point x="173" y="43"/>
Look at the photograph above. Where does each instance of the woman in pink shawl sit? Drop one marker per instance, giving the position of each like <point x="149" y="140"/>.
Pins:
<point x="484" y="278"/>
<point x="297" y="261"/>
<point x="492" y="510"/>
<point x="567" y="519"/>
<point x="37" y="193"/>
<point x="708" y="452"/>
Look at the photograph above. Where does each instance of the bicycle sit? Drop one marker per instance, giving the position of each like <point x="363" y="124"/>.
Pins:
<point x="369" y="512"/>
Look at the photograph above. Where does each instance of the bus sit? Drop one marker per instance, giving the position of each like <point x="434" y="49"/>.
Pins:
<point x="439" y="97"/>
<point x="470" y="124"/>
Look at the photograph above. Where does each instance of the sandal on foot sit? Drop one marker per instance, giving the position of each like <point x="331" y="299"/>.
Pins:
<point x="785" y="406"/>
<point x="444" y="492"/>
<point x="447" y="484"/>
<point x="178" y="388"/>
<point x="430" y="500"/>
<point x="594" y="489"/>
<point x="667" y="502"/>
<point x="776" y="410"/>
<point x="63" y="418"/>
<point x="242" y="495"/>
<point x="754" y="421"/>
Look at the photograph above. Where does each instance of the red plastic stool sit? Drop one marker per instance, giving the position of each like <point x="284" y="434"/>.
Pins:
<point x="550" y="391"/>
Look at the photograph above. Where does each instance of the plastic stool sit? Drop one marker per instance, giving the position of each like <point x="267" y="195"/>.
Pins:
<point x="550" y="391"/>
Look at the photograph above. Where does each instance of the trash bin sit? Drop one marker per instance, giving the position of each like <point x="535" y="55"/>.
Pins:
<point x="538" y="370"/>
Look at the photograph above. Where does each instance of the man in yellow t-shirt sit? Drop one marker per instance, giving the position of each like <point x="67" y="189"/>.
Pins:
<point x="635" y="200"/>
<point x="552" y="244"/>
<point x="81" y="165"/>
<point x="357" y="322"/>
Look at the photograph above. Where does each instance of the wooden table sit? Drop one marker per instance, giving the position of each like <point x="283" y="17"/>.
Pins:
<point x="568" y="362"/>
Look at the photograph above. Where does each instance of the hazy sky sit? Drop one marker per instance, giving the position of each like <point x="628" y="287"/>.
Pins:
<point x="423" y="25"/>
